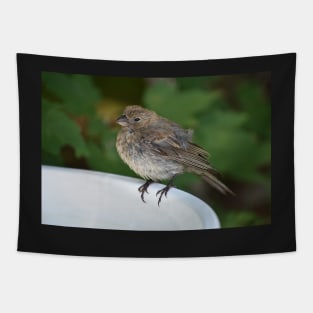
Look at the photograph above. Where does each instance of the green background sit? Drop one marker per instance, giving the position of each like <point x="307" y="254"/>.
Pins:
<point x="230" y="115"/>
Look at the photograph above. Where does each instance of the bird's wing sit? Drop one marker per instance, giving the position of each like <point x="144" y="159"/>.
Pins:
<point x="176" y="147"/>
<point x="192" y="157"/>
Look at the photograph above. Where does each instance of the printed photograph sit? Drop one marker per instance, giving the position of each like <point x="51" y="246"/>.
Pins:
<point x="156" y="154"/>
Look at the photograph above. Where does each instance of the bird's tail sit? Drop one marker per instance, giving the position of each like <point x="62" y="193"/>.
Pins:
<point x="215" y="183"/>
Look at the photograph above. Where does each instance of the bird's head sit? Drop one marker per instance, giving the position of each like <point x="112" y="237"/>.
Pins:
<point x="135" y="117"/>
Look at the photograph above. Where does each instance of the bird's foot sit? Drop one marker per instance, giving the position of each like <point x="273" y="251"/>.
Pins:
<point x="144" y="188"/>
<point x="163" y="192"/>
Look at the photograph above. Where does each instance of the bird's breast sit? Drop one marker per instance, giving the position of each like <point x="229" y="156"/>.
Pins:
<point x="143" y="160"/>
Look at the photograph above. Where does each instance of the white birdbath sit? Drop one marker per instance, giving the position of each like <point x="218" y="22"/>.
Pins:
<point x="81" y="198"/>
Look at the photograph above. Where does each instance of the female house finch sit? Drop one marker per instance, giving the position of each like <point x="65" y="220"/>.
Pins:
<point x="158" y="149"/>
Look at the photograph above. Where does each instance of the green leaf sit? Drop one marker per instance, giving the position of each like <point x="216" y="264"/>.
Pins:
<point x="186" y="180"/>
<point x="59" y="130"/>
<point x="195" y="82"/>
<point x="265" y="152"/>
<point x="176" y="105"/>
<point x="51" y="159"/>
<point x="96" y="126"/>
<point x="235" y="152"/>
<point x="253" y="101"/>
<point x="76" y="92"/>
<point x="107" y="161"/>
<point x="243" y="218"/>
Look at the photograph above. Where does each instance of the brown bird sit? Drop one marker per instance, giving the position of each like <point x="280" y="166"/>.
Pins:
<point x="158" y="149"/>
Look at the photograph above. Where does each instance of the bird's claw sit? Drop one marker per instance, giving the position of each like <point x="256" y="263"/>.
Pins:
<point x="144" y="188"/>
<point x="142" y="198"/>
<point x="162" y="192"/>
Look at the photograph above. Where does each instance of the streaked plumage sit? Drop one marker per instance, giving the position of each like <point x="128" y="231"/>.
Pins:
<point x="158" y="149"/>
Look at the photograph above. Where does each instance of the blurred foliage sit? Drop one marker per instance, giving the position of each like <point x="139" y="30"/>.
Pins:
<point x="230" y="115"/>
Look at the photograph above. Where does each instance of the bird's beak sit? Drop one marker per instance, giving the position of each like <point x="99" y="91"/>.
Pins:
<point x="122" y="120"/>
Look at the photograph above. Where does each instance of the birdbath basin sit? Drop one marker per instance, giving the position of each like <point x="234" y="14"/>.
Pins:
<point x="81" y="198"/>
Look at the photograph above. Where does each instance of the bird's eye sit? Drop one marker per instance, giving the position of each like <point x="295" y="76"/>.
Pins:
<point x="137" y="119"/>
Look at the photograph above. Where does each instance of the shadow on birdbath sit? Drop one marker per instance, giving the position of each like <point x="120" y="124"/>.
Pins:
<point x="81" y="198"/>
